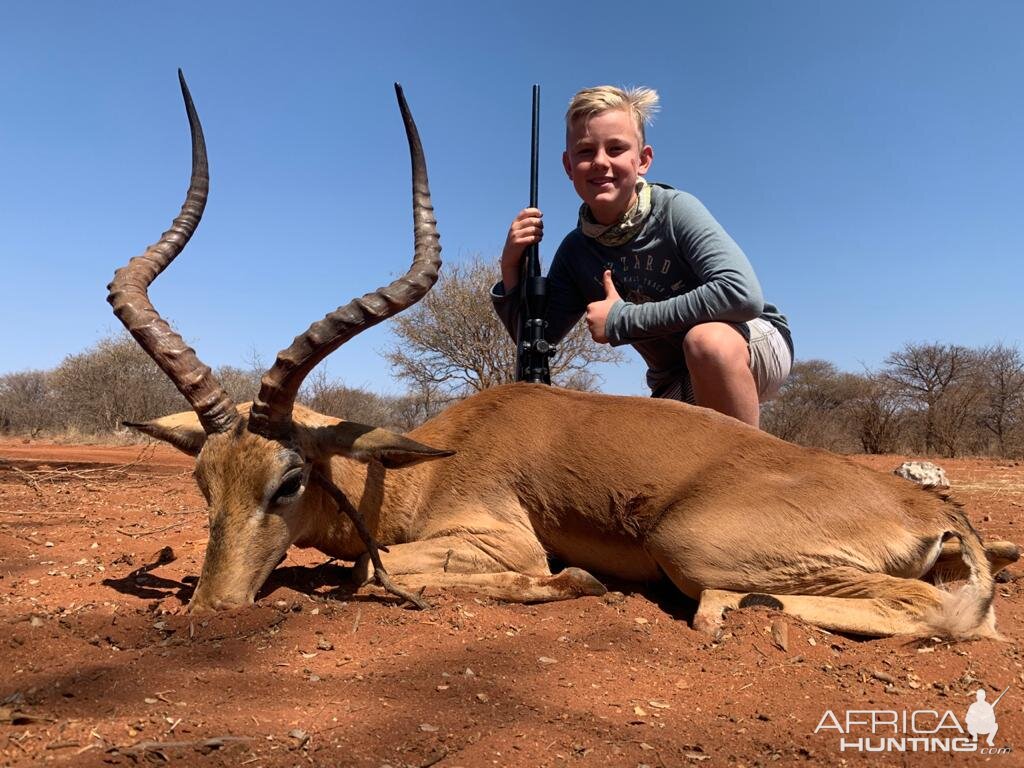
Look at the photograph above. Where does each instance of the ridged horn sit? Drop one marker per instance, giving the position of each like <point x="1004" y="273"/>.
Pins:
<point x="272" y="410"/>
<point x="130" y="300"/>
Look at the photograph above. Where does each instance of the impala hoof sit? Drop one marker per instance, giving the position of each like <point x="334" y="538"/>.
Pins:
<point x="578" y="583"/>
<point x="362" y="571"/>
<point x="709" y="625"/>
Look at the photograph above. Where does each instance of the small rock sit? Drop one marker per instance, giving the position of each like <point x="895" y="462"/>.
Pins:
<point x="923" y="472"/>
<point x="324" y="644"/>
<point x="780" y="634"/>
<point x="428" y="728"/>
<point x="483" y="698"/>
<point x="613" y="598"/>
<point x="547" y="660"/>
<point x="884" y="677"/>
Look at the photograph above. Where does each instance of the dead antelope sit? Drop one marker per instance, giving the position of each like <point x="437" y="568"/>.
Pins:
<point x="629" y="487"/>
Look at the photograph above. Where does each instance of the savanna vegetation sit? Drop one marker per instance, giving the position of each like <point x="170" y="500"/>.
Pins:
<point x="927" y="398"/>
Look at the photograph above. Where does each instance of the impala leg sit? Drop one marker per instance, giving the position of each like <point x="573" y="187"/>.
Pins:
<point x="950" y="565"/>
<point x="876" y="605"/>
<point x="488" y="563"/>
<point x="860" y="616"/>
<point x="480" y="551"/>
<point x="513" y="587"/>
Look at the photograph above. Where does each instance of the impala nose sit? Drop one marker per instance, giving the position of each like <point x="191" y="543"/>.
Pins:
<point x="202" y="604"/>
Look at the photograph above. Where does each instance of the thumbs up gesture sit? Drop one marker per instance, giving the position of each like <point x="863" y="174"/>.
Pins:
<point x="597" y="312"/>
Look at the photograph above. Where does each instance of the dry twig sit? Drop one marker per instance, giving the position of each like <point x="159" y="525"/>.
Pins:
<point x="380" y="575"/>
<point x="210" y="744"/>
<point x="149" y="532"/>
<point x="117" y="471"/>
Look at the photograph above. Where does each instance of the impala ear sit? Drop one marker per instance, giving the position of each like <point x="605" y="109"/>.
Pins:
<point x="182" y="430"/>
<point x="365" y="443"/>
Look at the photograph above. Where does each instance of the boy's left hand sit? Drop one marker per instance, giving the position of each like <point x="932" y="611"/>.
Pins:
<point x="597" y="312"/>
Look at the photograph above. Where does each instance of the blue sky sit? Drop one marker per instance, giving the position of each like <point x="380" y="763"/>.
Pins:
<point x="867" y="156"/>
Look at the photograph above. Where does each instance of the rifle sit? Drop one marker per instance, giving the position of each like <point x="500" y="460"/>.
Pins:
<point x="1000" y="697"/>
<point x="532" y="349"/>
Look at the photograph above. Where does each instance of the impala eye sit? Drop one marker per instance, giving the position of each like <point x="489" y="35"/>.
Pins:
<point x="291" y="486"/>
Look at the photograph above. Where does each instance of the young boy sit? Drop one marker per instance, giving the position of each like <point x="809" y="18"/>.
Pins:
<point x="650" y="267"/>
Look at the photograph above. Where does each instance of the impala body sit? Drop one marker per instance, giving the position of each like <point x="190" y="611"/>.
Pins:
<point x="482" y="495"/>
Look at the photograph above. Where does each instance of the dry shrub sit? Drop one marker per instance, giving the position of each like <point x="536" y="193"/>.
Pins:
<point x="111" y="382"/>
<point x="453" y="343"/>
<point x="25" y="403"/>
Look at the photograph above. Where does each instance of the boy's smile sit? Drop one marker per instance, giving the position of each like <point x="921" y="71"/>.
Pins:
<point x="603" y="158"/>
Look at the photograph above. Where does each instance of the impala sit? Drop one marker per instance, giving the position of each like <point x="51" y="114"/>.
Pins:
<point x="482" y="495"/>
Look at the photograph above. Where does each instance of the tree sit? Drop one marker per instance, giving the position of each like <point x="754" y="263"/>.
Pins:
<point x="241" y="384"/>
<point x="453" y="342"/>
<point x="811" y="408"/>
<point x="25" y="402"/>
<point x="939" y="382"/>
<point x="877" y="415"/>
<point x="112" y="381"/>
<point x="1001" y="407"/>
<point x="350" y="403"/>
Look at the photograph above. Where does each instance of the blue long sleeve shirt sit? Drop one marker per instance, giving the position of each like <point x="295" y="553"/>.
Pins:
<point x="681" y="269"/>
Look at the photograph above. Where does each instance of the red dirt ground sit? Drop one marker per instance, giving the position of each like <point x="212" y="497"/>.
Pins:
<point x="102" y="667"/>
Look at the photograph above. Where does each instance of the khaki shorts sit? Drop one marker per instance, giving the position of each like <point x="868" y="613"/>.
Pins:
<point x="770" y="358"/>
<point x="770" y="362"/>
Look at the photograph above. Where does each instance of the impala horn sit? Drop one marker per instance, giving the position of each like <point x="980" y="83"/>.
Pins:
<point x="130" y="300"/>
<point x="272" y="410"/>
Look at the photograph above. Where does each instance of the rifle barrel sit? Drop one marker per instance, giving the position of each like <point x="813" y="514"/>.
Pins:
<point x="534" y="146"/>
<point x="1000" y="697"/>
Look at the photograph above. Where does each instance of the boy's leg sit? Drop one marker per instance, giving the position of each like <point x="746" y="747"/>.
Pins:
<point x="718" y="359"/>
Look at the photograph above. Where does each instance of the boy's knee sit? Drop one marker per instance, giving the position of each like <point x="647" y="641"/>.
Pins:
<point x="717" y="344"/>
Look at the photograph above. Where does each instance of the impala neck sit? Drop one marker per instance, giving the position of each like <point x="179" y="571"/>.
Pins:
<point x="372" y="490"/>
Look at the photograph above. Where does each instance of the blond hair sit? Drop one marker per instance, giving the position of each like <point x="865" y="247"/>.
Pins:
<point x="641" y="103"/>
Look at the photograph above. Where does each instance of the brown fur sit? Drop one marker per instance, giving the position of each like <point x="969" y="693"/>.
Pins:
<point x="628" y="487"/>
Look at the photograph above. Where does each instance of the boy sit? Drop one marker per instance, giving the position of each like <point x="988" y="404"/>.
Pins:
<point x="650" y="267"/>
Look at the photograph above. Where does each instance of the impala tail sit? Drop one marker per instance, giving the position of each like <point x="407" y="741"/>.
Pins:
<point x="967" y="611"/>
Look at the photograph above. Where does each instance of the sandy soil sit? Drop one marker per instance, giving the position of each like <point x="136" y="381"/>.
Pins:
<point x="100" y="548"/>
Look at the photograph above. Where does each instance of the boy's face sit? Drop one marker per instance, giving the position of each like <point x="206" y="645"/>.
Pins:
<point x="603" y="157"/>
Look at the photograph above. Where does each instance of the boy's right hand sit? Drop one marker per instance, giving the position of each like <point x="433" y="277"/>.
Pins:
<point x="527" y="228"/>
